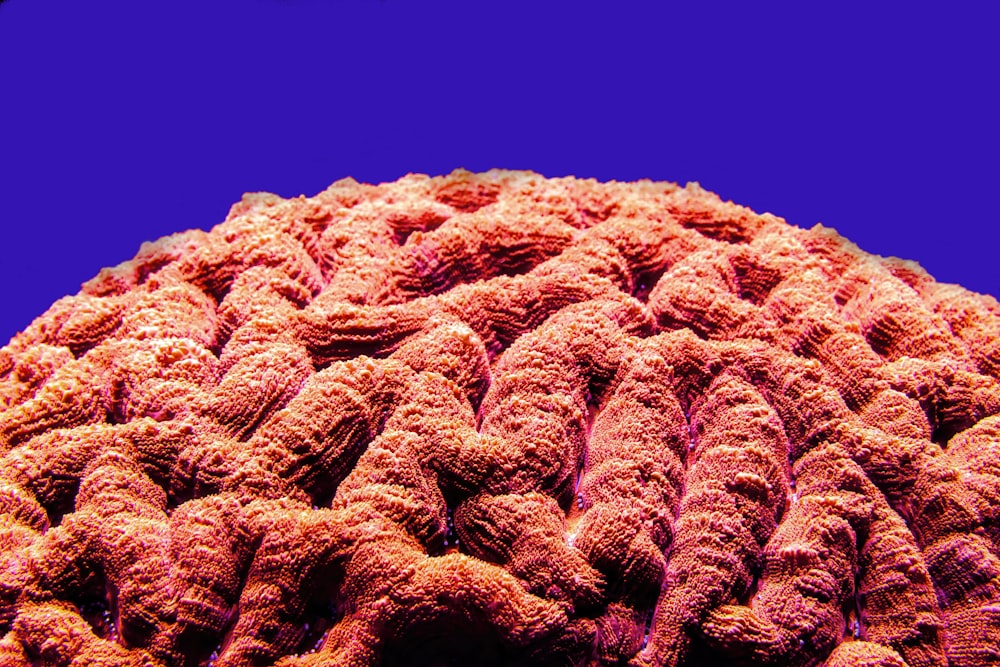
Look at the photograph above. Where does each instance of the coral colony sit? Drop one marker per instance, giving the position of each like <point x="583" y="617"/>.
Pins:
<point x="497" y="419"/>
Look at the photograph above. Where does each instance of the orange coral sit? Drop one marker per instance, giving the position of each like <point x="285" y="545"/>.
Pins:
<point x="505" y="420"/>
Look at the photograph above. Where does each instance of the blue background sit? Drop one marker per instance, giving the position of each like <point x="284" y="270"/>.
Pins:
<point x="125" y="120"/>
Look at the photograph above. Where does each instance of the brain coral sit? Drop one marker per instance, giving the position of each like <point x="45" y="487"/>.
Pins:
<point x="498" y="419"/>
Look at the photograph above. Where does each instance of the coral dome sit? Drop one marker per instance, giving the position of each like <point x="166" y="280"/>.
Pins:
<point x="500" y="419"/>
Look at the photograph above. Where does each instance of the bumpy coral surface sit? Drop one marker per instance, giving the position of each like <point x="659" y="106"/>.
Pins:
<point x="503" y="420"/>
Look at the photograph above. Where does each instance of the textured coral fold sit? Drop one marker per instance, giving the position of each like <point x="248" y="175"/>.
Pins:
<point x="499" y="419"/>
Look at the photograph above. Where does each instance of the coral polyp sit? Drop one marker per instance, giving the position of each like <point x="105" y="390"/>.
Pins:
<point x="504" y="420"/>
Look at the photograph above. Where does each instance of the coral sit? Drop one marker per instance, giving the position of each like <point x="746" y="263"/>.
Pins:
<point x="503" y="420"/>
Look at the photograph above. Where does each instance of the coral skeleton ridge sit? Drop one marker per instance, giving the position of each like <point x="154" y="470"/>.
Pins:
<point x="498" y="419"/>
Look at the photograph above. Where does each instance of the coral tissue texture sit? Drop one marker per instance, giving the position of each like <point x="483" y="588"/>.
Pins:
<point x="497" y="419"/>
